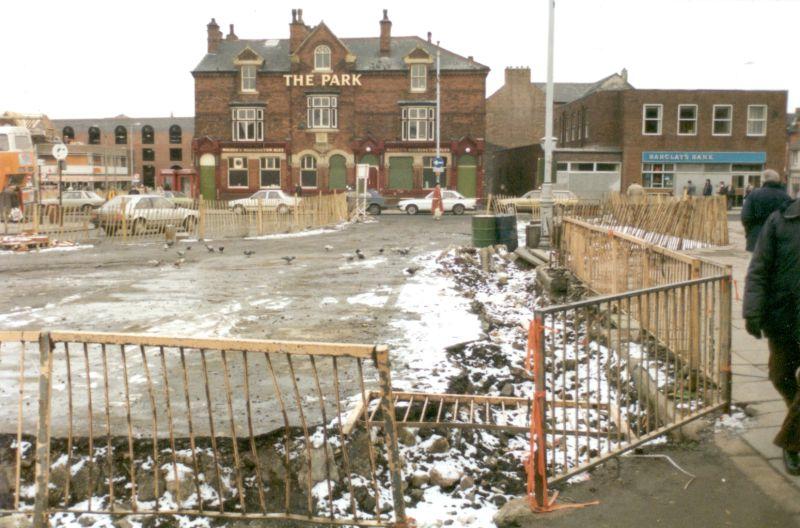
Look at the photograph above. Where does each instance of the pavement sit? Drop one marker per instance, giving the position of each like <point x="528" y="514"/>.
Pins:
<point x="752" y="450"/>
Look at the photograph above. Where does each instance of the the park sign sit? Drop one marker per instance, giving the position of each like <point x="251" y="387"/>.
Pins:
<point x="324" y="79"/>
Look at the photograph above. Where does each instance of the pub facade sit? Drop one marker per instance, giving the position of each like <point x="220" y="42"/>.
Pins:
<point x="304" y="111"/>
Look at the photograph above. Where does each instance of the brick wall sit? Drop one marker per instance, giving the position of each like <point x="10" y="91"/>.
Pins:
<point x="515" y="112"/>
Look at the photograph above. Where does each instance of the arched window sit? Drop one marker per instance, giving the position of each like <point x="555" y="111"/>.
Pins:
<point x="175" y="134"/>
<point x="308" y="171"/>
<point x="68" y="134"/>
<point x="148" y="136"/>
<point x="120" y="135"/>
<point x="322" y="58"/>
<point x="94" y="135"/>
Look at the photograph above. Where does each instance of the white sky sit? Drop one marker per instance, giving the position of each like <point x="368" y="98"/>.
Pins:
<point x="104" y="58"/>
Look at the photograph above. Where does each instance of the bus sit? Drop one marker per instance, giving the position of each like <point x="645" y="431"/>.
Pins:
<point x="17" y="165"/>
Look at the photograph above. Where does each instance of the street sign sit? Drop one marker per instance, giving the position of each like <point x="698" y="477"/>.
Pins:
<point x="60" y="151"/>
<point x="438" y="163"/>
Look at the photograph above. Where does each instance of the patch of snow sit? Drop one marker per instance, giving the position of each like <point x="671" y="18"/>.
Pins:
<point x="369" y="299"/>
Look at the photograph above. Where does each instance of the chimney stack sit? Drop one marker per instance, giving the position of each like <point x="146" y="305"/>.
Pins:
<point x="214" y="36"/>
<point x="297" y="30"/>
<point x="518" y="77"/>
<point x="624" y="74"/>
<point x="386" y="33"/>
<point x="429" y="36"/>
<point x="231" y="34"/>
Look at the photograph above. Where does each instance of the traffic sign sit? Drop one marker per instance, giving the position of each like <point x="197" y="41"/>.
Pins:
<point x="438" y="163"/>
<point x="60" y="151"/>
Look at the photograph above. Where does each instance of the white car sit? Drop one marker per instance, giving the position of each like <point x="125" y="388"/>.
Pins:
<point x="453" y="202"/>
<point x="270" y="200"/>
<point x="83" y="200"/>
<point x="142" y="213"/>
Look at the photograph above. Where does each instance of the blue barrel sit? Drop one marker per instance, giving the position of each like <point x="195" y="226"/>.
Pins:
<point x="507" y="231"/>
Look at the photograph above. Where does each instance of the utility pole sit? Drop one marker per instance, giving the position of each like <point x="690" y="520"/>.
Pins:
<point x="130" y="162"/>
<point x="438" y="113"/>
<point x="547" y="185"/>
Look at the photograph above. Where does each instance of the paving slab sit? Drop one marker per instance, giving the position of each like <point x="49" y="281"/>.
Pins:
<point x="754" y="391"/>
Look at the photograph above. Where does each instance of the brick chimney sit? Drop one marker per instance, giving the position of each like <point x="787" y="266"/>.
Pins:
<point x="386" y="33"/>
<point x="297" y="30"/>
<point x="214" y="36"/>
<point x="231" y="34"/>
<point x="430" y="35"/>
<point x="624" y="74"/>
<point x="518" y="76"/>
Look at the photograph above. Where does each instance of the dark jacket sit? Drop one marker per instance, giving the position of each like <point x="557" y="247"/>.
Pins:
<point x="708" y="189"/>
<point x="757" y="207"/>
<point x="772" y="286"/>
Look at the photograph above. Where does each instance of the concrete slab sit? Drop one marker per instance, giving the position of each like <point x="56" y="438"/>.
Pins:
<point x="764" y="476"/>
<point x="754" y="391"/>
<point x="777" y="464"/>
<point x="760" y="439"/>
<point x="769" y="407"/>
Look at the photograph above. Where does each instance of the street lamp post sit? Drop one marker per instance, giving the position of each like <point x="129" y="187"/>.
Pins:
<point x="438" y="172"/>
<point x="547" y="184"/>
<point x="130" y="162"/>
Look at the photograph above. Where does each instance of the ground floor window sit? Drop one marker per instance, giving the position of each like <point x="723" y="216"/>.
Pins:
<point x="429" y="177"/>
<point x="149" y="176"/>
<point x="237" y="172"/>
<point x="401" y="172"/>
<point x="270" y="171"/>
<point x="658" y="175"/>
<point x="308" y="171"/>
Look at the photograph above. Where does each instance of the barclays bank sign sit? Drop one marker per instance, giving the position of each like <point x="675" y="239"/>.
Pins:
<point x="704" y="157"/>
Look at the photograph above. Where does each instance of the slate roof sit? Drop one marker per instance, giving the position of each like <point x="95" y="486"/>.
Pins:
<point x="108" y="124"/>
<point x="566" y="92"/>
<point x="367" y="51"/>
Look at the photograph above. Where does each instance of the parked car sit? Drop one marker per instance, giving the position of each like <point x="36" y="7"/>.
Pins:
<point x="272" y="199"/>
<point x="375" y="202"/>
<point x="142" y="213"/>
<point x="526" y="202"/>
<point x="83" y="200"/>
<point x="179" y="198"/>
<point x="453" y="201"/>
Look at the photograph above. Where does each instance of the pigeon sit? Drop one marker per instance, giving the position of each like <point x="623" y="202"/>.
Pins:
<point x="360" y="255"/>
<point x="169" y="244"/>
<point x="178" y="262"/>
<point x="209" y="248"/>
<point x="189" y="248"/>
<point x="411" y="270"/>
<point x="328" y="248"/>
<point x="402" y="251"/>
<point x="249" y="252"/>
<point x="166" y="247"/>
<point x="288" y="259"/>
<point x="221" y="249"/>
<point x="350" y="258"/>
<point x="181" y="253"/>
<point x="154" y="263"/>
<point x="380" y="251"/>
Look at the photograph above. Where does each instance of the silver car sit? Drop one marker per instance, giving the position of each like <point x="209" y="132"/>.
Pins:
<point x="83" y="200"/>
<point x="142" y="213"/>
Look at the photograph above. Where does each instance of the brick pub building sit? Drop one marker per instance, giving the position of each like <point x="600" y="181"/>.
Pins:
<point x="305" y="110"/>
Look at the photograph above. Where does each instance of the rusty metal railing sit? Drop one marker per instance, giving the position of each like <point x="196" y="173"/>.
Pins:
<point x="610" y="375"/>
<point x="132" y="424"/>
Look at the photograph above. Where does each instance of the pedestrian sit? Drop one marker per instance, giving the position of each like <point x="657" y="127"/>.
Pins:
<point x="691" y="189"/>
<point x="708" y="189"/>
<point x="772" y="308"/>
<point x="748" y="190"/>
<point x="759" y="204"/>
<point x="298" y="190"/>
<point x="437" y="205"/>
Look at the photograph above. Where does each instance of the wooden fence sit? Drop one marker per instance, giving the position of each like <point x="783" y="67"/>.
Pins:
<point x="204" y="219"/>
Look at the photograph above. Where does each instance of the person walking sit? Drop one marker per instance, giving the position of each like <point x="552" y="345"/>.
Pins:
<point x="691" y="189"/>
<point x="437" y="205"/>
<point x="760" y="203"/>
<point x="772" y="308"/>
<point x="708" y="189"/>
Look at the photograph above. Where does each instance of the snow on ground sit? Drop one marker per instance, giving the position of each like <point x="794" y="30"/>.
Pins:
<point x="308" y="232"/>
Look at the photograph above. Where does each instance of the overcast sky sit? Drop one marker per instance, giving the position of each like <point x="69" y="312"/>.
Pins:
<point x="104" y="58"/>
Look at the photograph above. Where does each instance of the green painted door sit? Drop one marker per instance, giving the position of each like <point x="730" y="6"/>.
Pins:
<point x="207" y="182"/>
<point x="467" y="176"/>
<point x="401" y="173"/>
<point x="338" y="172"/>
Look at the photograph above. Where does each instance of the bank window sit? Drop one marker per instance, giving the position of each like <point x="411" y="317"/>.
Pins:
<point x="248" y="75"/>
<point x="322" y="58"/>
<point x="658" y="175"/>
<point x="418" y="123"/>
<point x="723" y="116"/>
<point x="419" y="77"/>
<point x="248" y="124"/>
<point x="607" y="167"/>
<point x="429" y="178"/>
<point x="322" y="111"/>
<point x="651" y="119"/>
<point x="687" y="120"/>
<point x="237" y="172"/>
<point x="757" y="120"/>
<point x="308" y="171"/>
<point x="270" y="171"/>
<point x="583" y="167"/>
<point x="562" y="166"/>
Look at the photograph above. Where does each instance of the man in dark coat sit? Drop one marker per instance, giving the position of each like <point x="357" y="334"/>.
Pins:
<point x="772" y="307"/>
<point x="708" y="189"/>
<point x="760" y="203"/>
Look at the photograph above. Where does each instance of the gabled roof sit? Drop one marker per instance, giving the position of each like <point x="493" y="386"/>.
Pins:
<point x="367" y="51"/>
<point x="319" y="27"/>
<point x="568" y="92"/>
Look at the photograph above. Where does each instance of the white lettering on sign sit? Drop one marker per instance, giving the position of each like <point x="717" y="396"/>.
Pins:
<point x="326" y="79"/>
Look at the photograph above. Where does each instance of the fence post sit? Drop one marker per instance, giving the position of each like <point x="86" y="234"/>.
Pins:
<point x="694" y="318"/>
<point x="42" y="469"/>
<point x="390" y="426"/>
<point x="726" y="376"/>
<point x="201" y="212"/>
<point x="260" y="216"/>
<point x="538" y="440"/>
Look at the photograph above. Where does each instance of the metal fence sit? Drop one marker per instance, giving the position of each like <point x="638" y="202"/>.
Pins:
<point x="127" y="424"/>
<point x="205" y="219"/>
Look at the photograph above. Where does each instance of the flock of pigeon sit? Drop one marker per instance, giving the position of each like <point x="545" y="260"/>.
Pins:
<point x="357" y="254"/>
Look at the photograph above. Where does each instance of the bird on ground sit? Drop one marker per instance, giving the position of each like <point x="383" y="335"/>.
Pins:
<point x="168" y="244"/>
<point x="288" y="259"/>
<point x="360" y="255"/>
<point x="189" y="248"/>
<point x="178" y="262"/>
<point x="181" y="253"/>
<point x="328" y="248"/>
<point x="209" y="248"/>
<point x="411" y="270"/>
<point x="249" y="252"/>
<point x="166" y="247"/>
<point x="380" y="251"/>
<point x="221" y="249"/>
<point x="402" y="251"/>
<point x="154" y="263"/>
<point x="350" y="258"/>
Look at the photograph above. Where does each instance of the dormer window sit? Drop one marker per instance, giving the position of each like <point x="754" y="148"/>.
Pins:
<point x="322" y="58"/>
<point x="248" y="78"/>
<point x="419" y="77"/>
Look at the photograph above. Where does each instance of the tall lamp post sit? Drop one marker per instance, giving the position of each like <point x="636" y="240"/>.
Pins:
<point x="549" y="140"/>
<point x="131" y="164"/>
